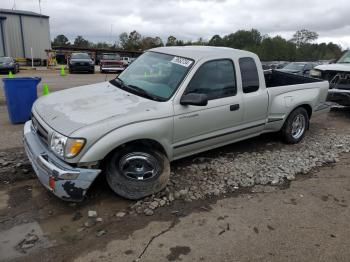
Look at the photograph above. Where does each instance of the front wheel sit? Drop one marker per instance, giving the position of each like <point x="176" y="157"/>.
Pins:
<point x="295" y="127"/>
<point x="136" y="172"/>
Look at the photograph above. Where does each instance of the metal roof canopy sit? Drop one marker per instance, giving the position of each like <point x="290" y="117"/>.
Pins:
<point x="21" y="12"/>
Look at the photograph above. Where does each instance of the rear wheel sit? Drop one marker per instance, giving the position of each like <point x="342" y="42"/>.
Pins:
<point x="295" y="127"/>
<point x="136" y="172"/>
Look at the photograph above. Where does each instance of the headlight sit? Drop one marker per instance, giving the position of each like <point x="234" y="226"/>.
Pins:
<point x="315" y="73"/>
<point x="65" y="146"/>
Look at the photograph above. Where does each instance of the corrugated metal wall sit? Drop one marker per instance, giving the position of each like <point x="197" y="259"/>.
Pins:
<point x="35" y="33"/>
<point x="2" y="51"/>
<point x="13" y="38"/>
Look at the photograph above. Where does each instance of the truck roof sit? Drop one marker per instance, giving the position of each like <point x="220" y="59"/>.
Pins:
<point x="200" y="52"/>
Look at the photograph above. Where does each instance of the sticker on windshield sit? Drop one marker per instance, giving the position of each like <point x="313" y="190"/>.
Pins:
<point x="181" y="61"/>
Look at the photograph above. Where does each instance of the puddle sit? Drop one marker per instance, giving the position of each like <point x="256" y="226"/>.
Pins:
<point x="4" y="197"/>
<point x="9" y="239"/>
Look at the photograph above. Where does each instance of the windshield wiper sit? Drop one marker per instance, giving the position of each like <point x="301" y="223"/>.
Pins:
<point x="144" y="93"/>
<point x="135" y="89"/>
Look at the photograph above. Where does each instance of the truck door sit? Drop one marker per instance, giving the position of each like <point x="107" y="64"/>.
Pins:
<point x="198" y="127"/>
<point x="255" y="96"/>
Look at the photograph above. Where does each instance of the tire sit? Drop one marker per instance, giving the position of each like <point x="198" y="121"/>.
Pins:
<point x="294" y="129"/>
<point x="131" y="186"/>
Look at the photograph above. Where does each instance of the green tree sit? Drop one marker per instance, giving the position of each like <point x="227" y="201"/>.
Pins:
<point x="216" y="40"/>
<point x="304" y="36"/>
<point x="79" y="41"/>
<point x="242" y="39"/>
<point x="151" y="42"/>
<point x="61" y="40"/>
<point x="171" y="41"/>
<point x="131" y="41"/>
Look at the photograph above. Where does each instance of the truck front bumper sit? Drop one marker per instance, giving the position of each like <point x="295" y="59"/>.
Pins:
<point x="66" y="182"/>
<point x="339" y="96"/>
<point x="112" y="69"/>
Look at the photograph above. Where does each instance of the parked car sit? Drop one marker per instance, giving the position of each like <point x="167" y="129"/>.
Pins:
<point x="170" y="103"/>
<point x="338" y="75"/>
<point x="8" y="64"/>
<point x="299" y="68"/>
<point x="81" y="62"/>
<point x="111" y="63"/>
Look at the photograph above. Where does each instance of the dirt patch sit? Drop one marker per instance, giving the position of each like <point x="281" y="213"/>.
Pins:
<point x="15" y="166"/>
<point x="176" y="252"/>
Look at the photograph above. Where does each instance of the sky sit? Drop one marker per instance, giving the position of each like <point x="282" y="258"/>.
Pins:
<point x="104" y="20"/>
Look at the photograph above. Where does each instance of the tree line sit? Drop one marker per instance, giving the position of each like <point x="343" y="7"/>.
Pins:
<point x="301" y="47"/>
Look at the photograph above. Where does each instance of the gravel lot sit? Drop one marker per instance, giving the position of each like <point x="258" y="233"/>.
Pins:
<point x="226" y="173"/>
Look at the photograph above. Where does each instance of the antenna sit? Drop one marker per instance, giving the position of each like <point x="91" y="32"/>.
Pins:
<point x="40" y="6"/>
<point x="14" y="5"/>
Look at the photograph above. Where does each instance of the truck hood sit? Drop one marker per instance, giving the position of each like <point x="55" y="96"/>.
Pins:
<point x="289" y="71"/>
<point x="334" y="67"/>
<point x="72" y="109"/>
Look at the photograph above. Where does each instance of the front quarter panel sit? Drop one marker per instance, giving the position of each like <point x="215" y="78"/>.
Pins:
<point x="159" y="130"/>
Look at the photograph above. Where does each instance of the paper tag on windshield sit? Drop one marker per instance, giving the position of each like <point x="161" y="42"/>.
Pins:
<point x="181" y="61"/>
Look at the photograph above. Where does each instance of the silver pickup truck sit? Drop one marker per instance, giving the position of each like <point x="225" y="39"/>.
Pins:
<point x="170" y="103"/>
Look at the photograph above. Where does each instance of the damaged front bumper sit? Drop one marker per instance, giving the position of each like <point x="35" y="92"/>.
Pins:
<point x="66" y="182"/>
<point x="339" y="96"/>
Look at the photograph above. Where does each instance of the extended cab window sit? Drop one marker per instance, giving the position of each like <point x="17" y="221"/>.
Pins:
<point x="249" y="73"/>
<point x="215" y="78"/>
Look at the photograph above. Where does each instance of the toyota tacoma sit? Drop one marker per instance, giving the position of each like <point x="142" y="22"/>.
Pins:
<point x="170" y="103"/>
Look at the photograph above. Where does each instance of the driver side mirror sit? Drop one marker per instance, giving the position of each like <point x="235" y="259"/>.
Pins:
<point x="194" y="99"/>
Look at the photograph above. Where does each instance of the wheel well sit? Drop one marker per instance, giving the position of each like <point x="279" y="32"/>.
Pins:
<point x="139" y="142"/>
<point x="308" y="109"/>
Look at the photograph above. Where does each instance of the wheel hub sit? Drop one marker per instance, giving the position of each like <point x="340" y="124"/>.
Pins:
<point x="298" y="126"/>
<point x="139" y="166"/>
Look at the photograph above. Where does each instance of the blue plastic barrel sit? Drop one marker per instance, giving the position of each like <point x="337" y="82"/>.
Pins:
<point x="20" y="94"/>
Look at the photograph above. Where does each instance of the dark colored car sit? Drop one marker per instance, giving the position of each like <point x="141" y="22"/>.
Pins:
<point x="299" y="68"/>
<point x="81" y="62"/>
<point x="8" y="64"/>
<point x="111" y="63"/>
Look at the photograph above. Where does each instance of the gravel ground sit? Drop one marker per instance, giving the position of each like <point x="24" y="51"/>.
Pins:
<point x="14" y="166"/>
<point x="207" y="177"/>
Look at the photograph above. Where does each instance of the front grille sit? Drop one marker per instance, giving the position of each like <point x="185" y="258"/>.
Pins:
<point x="40" y="130"/>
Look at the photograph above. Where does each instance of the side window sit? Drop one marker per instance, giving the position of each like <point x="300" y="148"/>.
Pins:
<point x="308" y="67"/>
<point x="249" y="73"/>
<point x="215" y="78"/>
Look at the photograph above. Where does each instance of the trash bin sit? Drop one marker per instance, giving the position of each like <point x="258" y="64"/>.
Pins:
<point x="20" y="94"/>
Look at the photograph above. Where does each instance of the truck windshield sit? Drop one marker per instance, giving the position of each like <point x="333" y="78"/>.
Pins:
<point x="111" y="57"/>
<point x="155" y="74"/>
<point x="345" y="59"/>
<point x="294" y="66"/>
<point x="80" y="56"/>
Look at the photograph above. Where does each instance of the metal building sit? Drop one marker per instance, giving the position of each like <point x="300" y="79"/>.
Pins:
<point x="23" y="34"/>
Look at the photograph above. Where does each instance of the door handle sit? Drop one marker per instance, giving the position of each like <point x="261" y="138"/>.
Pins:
<point x="234" y="107"/>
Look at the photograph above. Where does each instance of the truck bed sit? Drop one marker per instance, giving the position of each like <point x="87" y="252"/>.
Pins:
<point x="277" y="78"/>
